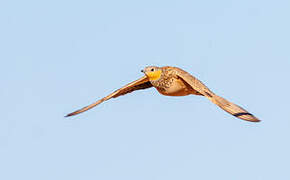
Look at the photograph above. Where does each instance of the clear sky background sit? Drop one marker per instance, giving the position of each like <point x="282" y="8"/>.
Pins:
<point x="58" y="56"/>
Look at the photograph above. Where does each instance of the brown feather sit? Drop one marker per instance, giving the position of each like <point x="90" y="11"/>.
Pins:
<point x="227" y="106"/>
<point x="142" y="83"/>
<point x="133" y="88"/>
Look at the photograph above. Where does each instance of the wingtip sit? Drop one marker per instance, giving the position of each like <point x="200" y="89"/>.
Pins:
<point x="68" y="115"/>
<point x="252" y="119"/>
<point x="256" y="120"/>
<point x="247" y="117"/>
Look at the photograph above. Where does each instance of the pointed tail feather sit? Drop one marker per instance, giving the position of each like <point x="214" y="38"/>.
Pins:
<point x="233" y="109"/>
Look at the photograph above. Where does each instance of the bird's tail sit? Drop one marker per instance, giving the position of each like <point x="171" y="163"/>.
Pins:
<point x="233" y="109"/>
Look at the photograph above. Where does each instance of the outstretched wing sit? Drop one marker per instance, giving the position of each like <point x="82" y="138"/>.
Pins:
<point x="226" y="105"/>
<point x="141" y="83"/>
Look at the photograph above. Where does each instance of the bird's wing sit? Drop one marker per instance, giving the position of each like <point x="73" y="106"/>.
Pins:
<point x="141" y="83"/>
<point x="226" y="105"/>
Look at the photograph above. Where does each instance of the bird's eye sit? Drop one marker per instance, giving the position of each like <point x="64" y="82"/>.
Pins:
<point x="152" y="69"/>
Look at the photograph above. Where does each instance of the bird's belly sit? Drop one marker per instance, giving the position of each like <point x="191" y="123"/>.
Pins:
<point x="176" y="88"/>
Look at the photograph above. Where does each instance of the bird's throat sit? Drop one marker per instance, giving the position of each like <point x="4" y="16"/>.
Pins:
<point x="154" y="75"/>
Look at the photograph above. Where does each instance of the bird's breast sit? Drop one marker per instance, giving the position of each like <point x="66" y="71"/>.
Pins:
<point x="174" y="87"/>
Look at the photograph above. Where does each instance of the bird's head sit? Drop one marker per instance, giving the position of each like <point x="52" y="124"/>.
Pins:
<point x="152" y="72"/>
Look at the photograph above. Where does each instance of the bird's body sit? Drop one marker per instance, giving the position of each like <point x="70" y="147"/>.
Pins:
<point x="169" y="84"/>
<point x="173" y="81"/>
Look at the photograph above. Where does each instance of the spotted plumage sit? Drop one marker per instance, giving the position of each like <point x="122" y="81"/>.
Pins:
<point x="173" y="81"/>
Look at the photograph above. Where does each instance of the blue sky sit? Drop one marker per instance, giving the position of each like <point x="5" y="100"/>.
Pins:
<point x="58" y="56"/>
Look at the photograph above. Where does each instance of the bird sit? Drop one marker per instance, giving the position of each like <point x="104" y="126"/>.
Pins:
<point x="173" y="81"/>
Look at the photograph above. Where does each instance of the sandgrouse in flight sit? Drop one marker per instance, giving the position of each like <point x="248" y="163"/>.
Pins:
<point x="173" y="81"/>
